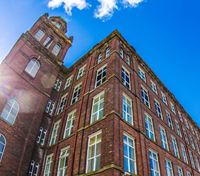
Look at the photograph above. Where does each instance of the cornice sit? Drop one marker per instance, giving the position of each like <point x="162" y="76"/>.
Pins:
<point x="90" y="52"/>
<point x="116" y="33"/>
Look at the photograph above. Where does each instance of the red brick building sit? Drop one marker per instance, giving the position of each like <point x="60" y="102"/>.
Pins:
<point x="108" y="114"/>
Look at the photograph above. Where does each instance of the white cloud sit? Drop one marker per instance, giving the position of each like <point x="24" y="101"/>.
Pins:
<point x="105" y="9"/>
<point x="132" y="3"/>
<point x="68" y="4"/>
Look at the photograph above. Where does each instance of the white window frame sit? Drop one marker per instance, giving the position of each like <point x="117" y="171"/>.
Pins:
<point x="54" y="133"/>
<point x="154" y="87"/>
<point x="149" y="127"/>
<point x="127" y="104"/>
<point x="57" y="84"/>
<point x="56" y="49"/>
<point x="178" y="128"/>
<point x="64" y="154"/>
<point x="172" y="108"/>
<point x="33" y="168"/>
<point x="168" y="168"/>
<point x="126" y="77"/>
<point x="192" y="142"/>
<point x="163" y="137"/>
<point x="42" y="135"/>
<point x="197" y="163"/>
<point x="94" y="135"/>
<point x="169" y="120"/>
<point x="158" y="108"/>
<point x="108" y="52"/>
<point x="191" y="159"/>
<point x="99" y="59"/>
<point x="39" y="35"/>
<point x="35" y="173"/>
<point x="48" y="41"/>
<point x="180" y="116"/>
<point x="102" y="73"/>
<point x="185" y="135"/>
<point x="76" y="93"/>
<point x="32" y="67"/>
<point x="164" y="98"/>
<point x="50" y="107"/>
<point x="62" y="104"/>
<point x="69" y="124"/>
<point x="175" y="147"/>
<point x="130" y="150"/>
<point x="10" y="111"/>
<point x="186" y="123"/>
<point x="145" y="97"/>
<point x="98" y="102"/>
<point x="188" y="173"/>
<point x="183" y="153"/>
<point x="128" y="61"/>
<point x="155" y="171"/>
<point x="48" y="165"/>
<point x="121" y="53"/>
<point x="81" y="71"/>
<point x="3" y="144"/>
<point x="142" y="74"/>
<point x="68" y="82"/>
<point x="180" y="171"/>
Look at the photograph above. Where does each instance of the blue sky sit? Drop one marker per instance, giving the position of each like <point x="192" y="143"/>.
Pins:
<point x="166" y="34"/>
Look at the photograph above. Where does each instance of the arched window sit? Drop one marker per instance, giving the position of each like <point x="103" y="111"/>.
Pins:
<point x="10" y="111"/>
<point x="33" y="67"/>
<point x="107" y="52"/>
<point x="2" y="145"/>
<point x="56" y="49"/>
<point x="39" y="35"/>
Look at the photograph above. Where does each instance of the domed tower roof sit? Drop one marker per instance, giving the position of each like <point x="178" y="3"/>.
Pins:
<point x="59" y="23"/>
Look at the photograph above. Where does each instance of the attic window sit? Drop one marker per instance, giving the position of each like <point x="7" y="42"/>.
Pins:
<point x="57" y="24"/>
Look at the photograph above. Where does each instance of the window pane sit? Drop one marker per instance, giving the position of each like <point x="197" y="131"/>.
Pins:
<point x="2" y="145"/>
<point x="97" y="107"/>
<point x="32" y="67"/>
<point x="48" y="42"/>
<point x="10" y="111"/>
<point x="39" y="35"/>
<point x="101" y="76"/>
<point x="129" y="155"/>
<point x="127" y="109"/>
<point x="76" y="94"/>
<point x="56" y="49"/>
<point x="94" y="152"/>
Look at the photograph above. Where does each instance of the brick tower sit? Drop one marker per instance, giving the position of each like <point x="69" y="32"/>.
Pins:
<point x="27" y="76"/>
